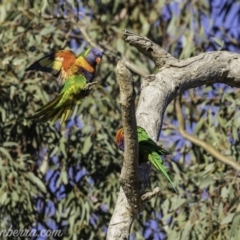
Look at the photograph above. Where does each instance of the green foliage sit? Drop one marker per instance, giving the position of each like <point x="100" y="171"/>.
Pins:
<point x="76" y="189"/>
<point x="208" y="187"/>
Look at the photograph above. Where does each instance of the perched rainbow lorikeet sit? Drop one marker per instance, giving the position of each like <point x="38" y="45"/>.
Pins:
<point x="148" y="150"/>
<point x="75" y="74"/>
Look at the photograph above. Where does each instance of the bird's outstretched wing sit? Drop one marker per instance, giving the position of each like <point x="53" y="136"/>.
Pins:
<point x="57" y="63"/>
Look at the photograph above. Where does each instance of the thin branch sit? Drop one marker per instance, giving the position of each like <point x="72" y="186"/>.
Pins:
<point x="148" y="48"/>
<point x="206" y="146"/>
<point x="86" y="36"/>
<point x="54" y="17"/>
<point x="129" y="175"/>
<point x="149" y="195"/>
<point x="129" y="202"/>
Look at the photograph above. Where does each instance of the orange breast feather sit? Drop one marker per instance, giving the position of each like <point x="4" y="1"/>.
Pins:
<point x="82" y="62"/>
<point x="67" y="57"/>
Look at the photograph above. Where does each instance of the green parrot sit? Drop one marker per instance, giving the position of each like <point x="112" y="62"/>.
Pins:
<point x="148" y="150"/>
<point x="75" y="74"/>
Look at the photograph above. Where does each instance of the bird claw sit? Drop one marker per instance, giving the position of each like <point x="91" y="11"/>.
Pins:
<point x="89" y="86"/>
<point x="85" y="91"/>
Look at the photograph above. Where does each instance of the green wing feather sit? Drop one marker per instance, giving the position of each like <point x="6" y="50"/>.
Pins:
<point x="149" y="147"/>
<point x="143" y="137"/>
<point x="61" y="106"/>
<point x="156" y="160"/>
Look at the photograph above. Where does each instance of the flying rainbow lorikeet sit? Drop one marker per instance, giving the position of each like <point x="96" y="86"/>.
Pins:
<point x="148" y="150"/>
<point x="74" y="73"/>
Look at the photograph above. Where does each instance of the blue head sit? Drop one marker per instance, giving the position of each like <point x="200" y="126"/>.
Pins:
<point x="93" y="56"/>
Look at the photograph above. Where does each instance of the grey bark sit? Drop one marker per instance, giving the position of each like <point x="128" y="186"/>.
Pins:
<point x="173" y="78"/>
<point x="129" y="190"/>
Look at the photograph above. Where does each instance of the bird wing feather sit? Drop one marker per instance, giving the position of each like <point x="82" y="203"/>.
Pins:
<point x="57" y="63"/>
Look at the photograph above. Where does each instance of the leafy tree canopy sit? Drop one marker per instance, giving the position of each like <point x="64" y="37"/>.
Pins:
<point x="66" y="177"/>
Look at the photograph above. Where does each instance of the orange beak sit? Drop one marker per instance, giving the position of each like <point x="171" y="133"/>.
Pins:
<point x="98" y="60"/>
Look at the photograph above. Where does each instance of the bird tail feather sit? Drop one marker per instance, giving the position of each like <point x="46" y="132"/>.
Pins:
<point x="156" y="160"/>
<point x="51" y="111"/>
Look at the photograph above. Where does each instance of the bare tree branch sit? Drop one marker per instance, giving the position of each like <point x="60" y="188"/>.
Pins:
<point x="176" y="76"/>
<point x="207" y="147"/>
<point x="128" y="202"/>
<point x="158" y="91"/>
<point x="148" y="48"/>
<point x="129" y="175"/>
<point x="149" y="195"/>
